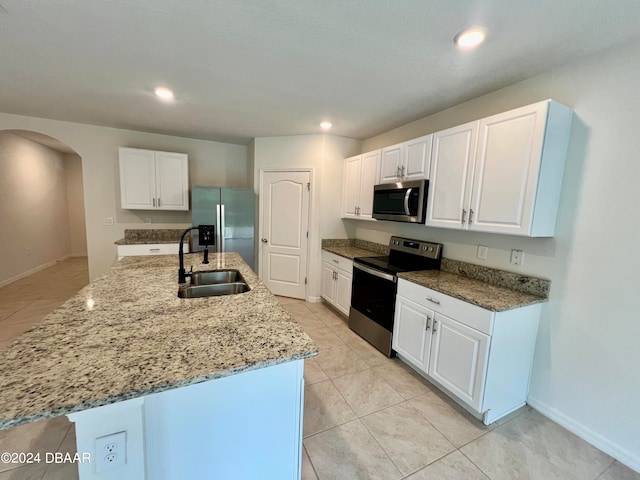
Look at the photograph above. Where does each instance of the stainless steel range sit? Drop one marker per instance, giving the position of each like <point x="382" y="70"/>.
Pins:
<point x="373" y="294"/>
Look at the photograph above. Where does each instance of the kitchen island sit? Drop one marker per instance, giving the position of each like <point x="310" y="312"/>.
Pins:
<point x="204" y="388"/>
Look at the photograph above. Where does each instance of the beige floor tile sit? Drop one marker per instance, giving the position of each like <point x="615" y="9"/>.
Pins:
<point x="454" y="466"/>
<point x="617" y="471"/>
<point x="367" y="352"/>
<point x="309" y="320"/>
<point x="531" y="446"/>
<point x="408" y="439"/>
<point x="33" y="471"/>
<point x="64" y="471"/>
<point x="332" y="319"/>
<point x="324" y="337"/>
<point x="313" y="373"/>
<point x="324" y="408"/>
<point x="341" y="360"/>
<point x="10" y="331"/>
<point x="317" y="307"/>
<point x="344" y="332"/>
<point x="307" y="469"/>
<point x="366" y="392"/>
<point x="512" y="415"/>
<point x="451" y="420"/>
<point x="403" y="379"/>
<point x="14" y="305"/>
<point x="43" y="436"/>
<point x="349" y="452"/>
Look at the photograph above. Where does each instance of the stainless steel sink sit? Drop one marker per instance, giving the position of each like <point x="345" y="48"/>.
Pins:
<point x="212" y="290"/>
<point x="216" y="276"/>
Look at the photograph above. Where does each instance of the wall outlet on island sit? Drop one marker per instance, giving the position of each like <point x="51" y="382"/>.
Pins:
<point x="111" y="451"/>
<point x="482" y="252"/>
<point x="148" y="220"/>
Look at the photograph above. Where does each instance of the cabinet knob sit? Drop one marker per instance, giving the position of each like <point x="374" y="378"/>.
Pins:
<point x="264" y="240"/>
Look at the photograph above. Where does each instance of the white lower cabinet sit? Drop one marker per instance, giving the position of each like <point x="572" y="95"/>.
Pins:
<point x="337" y="273"/>
<point x="480" y="358"/>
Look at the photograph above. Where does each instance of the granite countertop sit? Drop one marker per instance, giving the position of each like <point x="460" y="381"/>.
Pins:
<point x="491" y="297"/>
<point x="352" y="248"/>
<point x="145" y="236"/>
<point x="127" y="335"/>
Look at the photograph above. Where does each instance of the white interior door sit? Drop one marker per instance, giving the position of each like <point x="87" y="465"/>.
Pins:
<point x="284" y="223"/>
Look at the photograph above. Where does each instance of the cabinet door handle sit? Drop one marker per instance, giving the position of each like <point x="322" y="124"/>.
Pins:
<point x="154" y="249"/>
<point x="435" y="322"/>
<point x="264" y="240"/>
<point x="402" y="171"/>
<point x="335" y="261"/>
<point x="158" y="202"/>
<point x="398" y="172"/>
<point x="154" y="202"/>
<point x="437" y="302"/>
<point x="464" y="215"/>
<point x="470" y="216"/>
<point x="428" y="323"/>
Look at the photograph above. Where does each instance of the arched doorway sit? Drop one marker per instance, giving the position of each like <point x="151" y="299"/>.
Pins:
<point x="41" y="206"/>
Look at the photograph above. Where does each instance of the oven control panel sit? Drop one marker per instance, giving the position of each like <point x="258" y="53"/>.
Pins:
<point x="417" y="247"/>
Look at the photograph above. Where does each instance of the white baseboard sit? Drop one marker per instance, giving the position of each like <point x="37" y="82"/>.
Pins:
<point x="607" y="446"/>
<point x="314" y="299"/>
<point x="34" y="270"/>
<point x="81" y="254"/>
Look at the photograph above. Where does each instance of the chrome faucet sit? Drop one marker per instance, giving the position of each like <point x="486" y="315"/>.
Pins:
<point x="206" y="237"/>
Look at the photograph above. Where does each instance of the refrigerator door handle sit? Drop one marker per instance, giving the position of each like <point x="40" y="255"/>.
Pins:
<point x="222" y="228"/>
<point x="219" y="228"/>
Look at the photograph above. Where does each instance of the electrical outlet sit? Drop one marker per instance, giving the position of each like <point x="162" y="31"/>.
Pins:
<point x="111" y="451"/>
<point x="148" y="220"/>
<point x="108" y="221"/>
<point x="482" y="252"/>
<point x="517" y="256"/>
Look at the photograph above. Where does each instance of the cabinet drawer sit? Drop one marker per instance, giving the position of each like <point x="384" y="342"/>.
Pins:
<point x="150" y="249"/>
<point x="337" y="261"/>
<point x="465" y="313"/>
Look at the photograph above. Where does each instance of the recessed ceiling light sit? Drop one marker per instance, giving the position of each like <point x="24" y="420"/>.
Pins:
<point x="164" y="93"/>
<point x="325" y="125"/>
<point x="470" y="38"/>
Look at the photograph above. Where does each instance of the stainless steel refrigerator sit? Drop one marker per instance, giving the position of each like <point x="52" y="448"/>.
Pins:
<point x="232" y="211"/>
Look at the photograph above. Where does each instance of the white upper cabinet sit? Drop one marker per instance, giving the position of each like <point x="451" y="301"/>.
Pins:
<point x="360" y="176"/>
<point x="391" y="163"/>
<point x="501" y="174"/>
<point x="452" y="160"/>
<point x="417" y="158"/>
<point x="151" y="180"/>
<point x="406" y="161"/>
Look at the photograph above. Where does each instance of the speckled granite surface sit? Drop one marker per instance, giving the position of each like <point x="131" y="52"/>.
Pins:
<point x="151" y="235"/>
<point x="476" y="292"/>
<point x="127" y="335"/>
<point x="352" y="248"/>
<point x="501" y="278"/>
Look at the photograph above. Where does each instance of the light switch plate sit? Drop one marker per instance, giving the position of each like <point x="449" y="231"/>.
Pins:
<point x="482" y="252"/>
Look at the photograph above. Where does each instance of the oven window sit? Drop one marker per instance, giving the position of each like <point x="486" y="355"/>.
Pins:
<point x="374" y="297"/>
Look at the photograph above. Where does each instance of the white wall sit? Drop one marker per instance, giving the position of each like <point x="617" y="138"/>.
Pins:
<point x="585" y="373"/>
<point x="324" y="154"/>
<point x="210" y="163"/>
<point x="75" y="202"/>
<point x="33" y="207"/>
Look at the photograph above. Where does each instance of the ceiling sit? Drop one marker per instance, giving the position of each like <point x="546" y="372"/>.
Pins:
<point x="244" y="69"/>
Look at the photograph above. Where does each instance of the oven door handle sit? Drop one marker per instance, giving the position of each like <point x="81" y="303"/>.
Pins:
<point x="375" y="273"/>
<point x="406" y="201"/>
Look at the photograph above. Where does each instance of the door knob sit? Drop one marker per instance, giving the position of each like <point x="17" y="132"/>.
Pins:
<point x="264" y="240"/>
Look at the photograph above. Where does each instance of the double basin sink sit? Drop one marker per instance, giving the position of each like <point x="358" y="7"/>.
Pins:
<point x="213" y="283"/>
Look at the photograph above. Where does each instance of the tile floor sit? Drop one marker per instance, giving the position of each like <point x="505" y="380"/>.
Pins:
<point x="366" y="416"/>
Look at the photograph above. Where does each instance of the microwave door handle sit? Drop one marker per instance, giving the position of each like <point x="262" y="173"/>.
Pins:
<point x="406" y="201"/>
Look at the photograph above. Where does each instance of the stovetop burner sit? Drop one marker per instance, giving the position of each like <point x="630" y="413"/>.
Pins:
<point x="406" y="255"/>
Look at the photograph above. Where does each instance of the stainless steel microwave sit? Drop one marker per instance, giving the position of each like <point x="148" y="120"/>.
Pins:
<point x="401" y="202"/>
